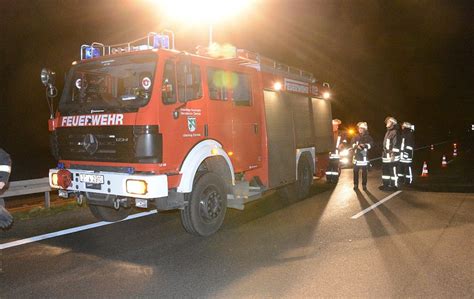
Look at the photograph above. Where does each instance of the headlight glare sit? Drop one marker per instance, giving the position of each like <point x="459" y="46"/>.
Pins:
<point x="139" y="187"/>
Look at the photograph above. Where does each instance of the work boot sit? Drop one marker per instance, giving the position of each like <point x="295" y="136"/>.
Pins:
<point x="383" y="188"/>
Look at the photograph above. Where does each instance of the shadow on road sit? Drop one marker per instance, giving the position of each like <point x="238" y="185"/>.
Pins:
<point x="267" y="234"/>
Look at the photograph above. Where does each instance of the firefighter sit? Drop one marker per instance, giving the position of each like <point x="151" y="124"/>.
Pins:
<point x="390" y="155"/>
<point x="405" y="174"/>
<point x="332" y="172"/>
<point x="6" y="218"/>
<point x="361" y="144"/>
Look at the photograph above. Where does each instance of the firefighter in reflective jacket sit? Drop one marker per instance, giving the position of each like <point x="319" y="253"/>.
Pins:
<point x="6" y="218"/>
<point x="405" y="173"/>
<point x="333" y="170"/>
<point x="361" y="144"/>
<point x="390" y="155"/>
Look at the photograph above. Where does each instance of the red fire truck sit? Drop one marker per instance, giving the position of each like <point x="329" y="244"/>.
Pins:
<point x="144" y="124"/>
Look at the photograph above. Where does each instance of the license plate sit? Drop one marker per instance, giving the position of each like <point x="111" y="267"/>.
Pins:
<point x="141" y="203"/>
<point x="91" y="178"/>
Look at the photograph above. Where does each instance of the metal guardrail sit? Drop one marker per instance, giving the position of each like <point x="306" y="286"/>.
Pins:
<point x="25" y="187"/>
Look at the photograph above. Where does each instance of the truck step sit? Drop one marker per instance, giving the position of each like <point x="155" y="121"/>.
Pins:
<point x="242" y="194"/>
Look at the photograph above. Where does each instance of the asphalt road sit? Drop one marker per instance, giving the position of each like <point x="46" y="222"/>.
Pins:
<point x="416" y="244"/>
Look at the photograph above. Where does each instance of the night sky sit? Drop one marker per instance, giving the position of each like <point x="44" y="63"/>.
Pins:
<point x="410" y="59"/>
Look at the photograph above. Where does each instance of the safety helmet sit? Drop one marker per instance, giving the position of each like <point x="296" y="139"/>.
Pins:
<point x="391" y="119"/>
<point x="336" y="121"/>
<point x="362" y="125"/>
<point x="408" y="126"/>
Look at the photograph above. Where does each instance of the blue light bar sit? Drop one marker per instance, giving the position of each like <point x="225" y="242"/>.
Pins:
<point x="91" y="52"/>
<point x="161" y="41"/>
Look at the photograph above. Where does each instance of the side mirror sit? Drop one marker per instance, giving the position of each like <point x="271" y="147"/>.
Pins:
<point x="48" y="77"/>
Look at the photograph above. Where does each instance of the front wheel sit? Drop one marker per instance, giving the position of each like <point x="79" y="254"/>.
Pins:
<point x="206" y="205"/>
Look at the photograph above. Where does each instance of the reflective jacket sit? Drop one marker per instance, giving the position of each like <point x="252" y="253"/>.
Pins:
<point x="361" y="144"/>
<point x="407" y="146"/>
<point x="5" y="166"/>
<point x="391" y="145"/>
<point x="340" y="143"/>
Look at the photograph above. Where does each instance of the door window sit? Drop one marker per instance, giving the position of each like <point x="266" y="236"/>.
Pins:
<point x="168" y="87"/>
<point x="242" y="93"/>
<point x="218" y="83"/>
<point x="189" y="83"/>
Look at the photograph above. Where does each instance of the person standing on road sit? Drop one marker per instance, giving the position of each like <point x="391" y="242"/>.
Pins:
<point x="407" y="145"/>
<point x="390" y="155"/>
<point x="332" y="172"/>
<point x="6" y="218"/>
<point x="361" y="144"/>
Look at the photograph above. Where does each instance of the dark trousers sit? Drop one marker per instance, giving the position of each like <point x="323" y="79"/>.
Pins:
<point x="356" y="175"/>
<point x="332" y="172"/>
<point x="405" y="172"/>
<point x="389" y="174"/>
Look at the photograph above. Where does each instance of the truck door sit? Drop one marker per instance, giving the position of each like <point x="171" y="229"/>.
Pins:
<point x="182" y="119"/>
<point x="246" y="131"/>
<point x="219" y="108"/>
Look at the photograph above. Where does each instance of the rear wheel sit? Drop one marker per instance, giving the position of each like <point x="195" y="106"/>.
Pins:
<point x="305" y="177"/>
<point x="206" y="205"/>
<point x="299" y="189"/>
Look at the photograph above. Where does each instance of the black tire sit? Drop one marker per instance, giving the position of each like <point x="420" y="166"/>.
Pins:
<point x="305" y="177"/>
<point x="206" y="205"/>
<point x="299" y="189"/>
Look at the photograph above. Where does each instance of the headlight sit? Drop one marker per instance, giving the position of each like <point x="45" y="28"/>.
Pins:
<point x="54" y="179"/>
<point x="47" y="76"/>
<point x="345" y="161"/>
<point x="344" y="153"/>
<point x="137" y="187"/>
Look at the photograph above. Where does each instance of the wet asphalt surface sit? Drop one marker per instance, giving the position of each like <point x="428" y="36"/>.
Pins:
<point x="417" y="244"/>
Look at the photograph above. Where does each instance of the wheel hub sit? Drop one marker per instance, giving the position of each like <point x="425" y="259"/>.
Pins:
<point x="210" y="203"/>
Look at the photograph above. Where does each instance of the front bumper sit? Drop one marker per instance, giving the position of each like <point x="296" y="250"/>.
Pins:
<point x="115" y="183"/>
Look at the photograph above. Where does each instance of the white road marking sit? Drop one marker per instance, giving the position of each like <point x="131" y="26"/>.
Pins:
<point x="378" y="203"/>
<point x="70" y="231"/>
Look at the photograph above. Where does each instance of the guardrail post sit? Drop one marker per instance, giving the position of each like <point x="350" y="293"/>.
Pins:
<point x="47" y="200"/>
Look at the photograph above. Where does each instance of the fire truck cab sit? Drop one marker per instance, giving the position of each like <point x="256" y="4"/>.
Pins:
<point x="143" y="124"/>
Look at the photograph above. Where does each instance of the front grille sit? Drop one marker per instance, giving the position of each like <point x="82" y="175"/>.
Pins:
<point x="107" y="144"/>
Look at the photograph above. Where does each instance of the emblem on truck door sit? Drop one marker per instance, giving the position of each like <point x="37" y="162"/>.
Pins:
<point x="191" y="124"/>
<point x="90" y="144"/>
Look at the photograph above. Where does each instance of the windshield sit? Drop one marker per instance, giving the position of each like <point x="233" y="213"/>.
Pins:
<point x="120" y="84"/>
